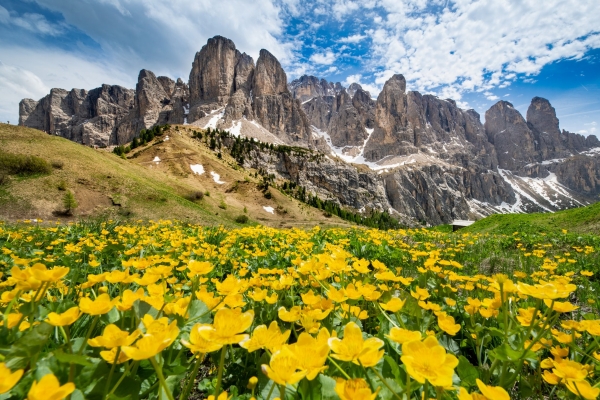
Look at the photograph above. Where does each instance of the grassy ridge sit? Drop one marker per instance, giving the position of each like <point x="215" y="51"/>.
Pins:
<point x="582" y="220"/>
<point x="108" y="186"/>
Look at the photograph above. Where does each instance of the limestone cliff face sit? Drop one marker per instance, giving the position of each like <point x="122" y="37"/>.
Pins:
<point x="308" y="87"/>
<point x="411" y="123"/>
<point x="508" y="131"/>
<point x="274" y="106"/>
<point x="107" y="115"/>
<point x="212" y="78"/>
<point x="346" y="119"/>
<point x="86" y="117"/>
<point x="426" y="193"/>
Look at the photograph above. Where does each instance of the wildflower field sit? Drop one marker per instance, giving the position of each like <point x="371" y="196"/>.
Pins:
<point x="167" y="310"/>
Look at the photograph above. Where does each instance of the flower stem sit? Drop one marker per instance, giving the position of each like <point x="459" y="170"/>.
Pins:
<point x="88" y="334"/>
<point x="127" y="369"/>
<point x="339" y="368"/>
<point x="282" y="392"/>
<point x="161" y="378"/>
<point x="385" y="383"/>
<point x="220" y="373"/>
<point x="192" y="378"/>
<point x="110" y="374"/>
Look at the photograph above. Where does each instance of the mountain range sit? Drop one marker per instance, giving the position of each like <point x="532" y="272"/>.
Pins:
<point x="413" y="155"/>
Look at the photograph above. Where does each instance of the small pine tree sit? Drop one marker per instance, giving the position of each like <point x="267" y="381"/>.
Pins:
<point x="69" y="202"/>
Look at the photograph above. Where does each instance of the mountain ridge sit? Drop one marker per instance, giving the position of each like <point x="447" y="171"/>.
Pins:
<point x="430" y="159"/>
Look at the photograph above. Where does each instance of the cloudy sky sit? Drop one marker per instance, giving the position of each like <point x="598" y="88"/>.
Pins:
<point x="475" y="52"/>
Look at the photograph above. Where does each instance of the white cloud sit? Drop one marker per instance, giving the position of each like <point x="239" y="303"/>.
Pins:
<point x="490" y="96"/>
<point x="164" y="36"/>
<point x="31" y="73"/>
<point x="352" y="39"/>
<point x="4" y="15"/>
<point x="479" y="45"/>
<point x="590" y="129"/>
<point x="32" y="22"/>
<point x="343" y="7"/>
<point x="326" y="58"/>
<point x="135" y="34"/>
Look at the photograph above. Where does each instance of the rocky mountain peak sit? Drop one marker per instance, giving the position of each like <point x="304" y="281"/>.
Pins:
<point x="508" y="131"/>
<point x="542" y="116"/>
<point x="269" y="77"/>
<point x="211" y="80"/>
<point x="308" y="87"/>
<point x="397" y="83"/>
<point x="353" y="88"/>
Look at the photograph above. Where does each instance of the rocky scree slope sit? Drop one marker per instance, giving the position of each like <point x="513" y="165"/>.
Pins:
<point x="404" y="152"/>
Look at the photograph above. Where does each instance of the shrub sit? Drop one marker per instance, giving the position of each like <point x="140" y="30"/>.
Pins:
<point x="241" y="219"/>
<point x="207" y="193"/>
<point x="57" y="164"/>
<point x="21" y="164"/>
<point x="62" y="185"/>
<point x="69" y="202"/>
<point x="222" y="205"/>
<point x="268" y="194"/>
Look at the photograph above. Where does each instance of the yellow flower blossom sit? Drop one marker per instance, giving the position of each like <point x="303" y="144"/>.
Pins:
<point x="8" y="378"/>
<point x="228" y="326"/>
<point x="400" y="335"/>
<point x="394" y="305"/>
<point x="354" y="348"/>
<point x="49" y="388"/>
<point x="197" y="344"/>
<point x="263" y="338"/>
<point x="561" y="307"/>
<point x="289" y="316"/>
<point x="569" y="370"/>
<point x="492" y="392"/>
<point x="101" y="305"/>
<point x="583" y="389"/>
<point x="447" y="324"/>
<point x="114" y="337"/>
<point x="427" y="360"/>
<point x="354" y="389"/>
<point x="283" y="368"/>
<point x="110" y="356"/>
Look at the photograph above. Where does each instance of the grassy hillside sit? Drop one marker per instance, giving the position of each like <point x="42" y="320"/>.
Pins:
<point x="105" y="185"/>
<point x="582" y="220"/>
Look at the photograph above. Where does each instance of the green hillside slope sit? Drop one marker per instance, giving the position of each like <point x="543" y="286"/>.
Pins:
<point x="105" y="185"/>
<point x="582" y="220"/>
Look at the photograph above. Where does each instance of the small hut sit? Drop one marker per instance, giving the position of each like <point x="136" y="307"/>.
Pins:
<point x="460" y="223"/>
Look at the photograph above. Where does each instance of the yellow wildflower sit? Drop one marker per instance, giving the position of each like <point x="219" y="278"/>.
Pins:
<point x="354" y="389"/>
<point x="394" y="305"/>
<point x="401" y="336"/>
<point x="8" y="379"/>
<point x="492" y="392"/>
<point x="283" y="368"/>
<point x="263" y="338"/>
<point x="427" y="360"/>
<point x="583" y="389"/>
<point x="354" y="348"/>
<point x="114" y="337"/>
<point x="49" y="388"/>
<point x="228" y="326"/>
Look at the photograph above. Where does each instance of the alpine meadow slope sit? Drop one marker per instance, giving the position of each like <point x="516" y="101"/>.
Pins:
<point x="141" y="186"/>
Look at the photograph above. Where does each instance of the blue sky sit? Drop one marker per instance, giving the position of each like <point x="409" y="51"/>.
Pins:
<point x="475" y="52"/>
